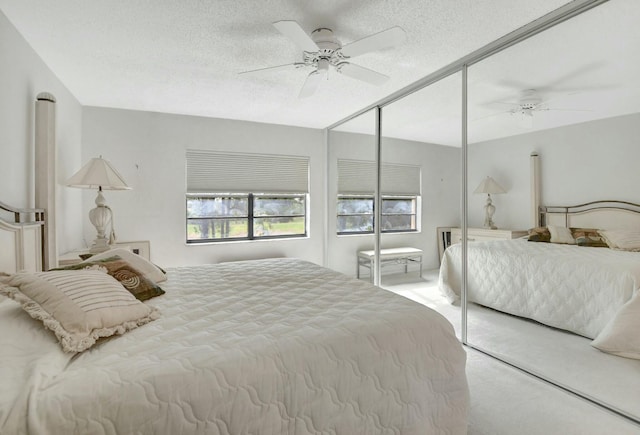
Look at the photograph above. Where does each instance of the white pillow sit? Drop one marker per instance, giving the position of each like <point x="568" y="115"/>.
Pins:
<point x="621" y="336"/>
<point x="147" y="268"/>
<point x="79" y="306"/>
<point x="561" y="235"/>
<point x="626" y="240"/>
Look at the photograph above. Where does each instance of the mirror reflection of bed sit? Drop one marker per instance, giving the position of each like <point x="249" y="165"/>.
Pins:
<point x="561" y="302"/>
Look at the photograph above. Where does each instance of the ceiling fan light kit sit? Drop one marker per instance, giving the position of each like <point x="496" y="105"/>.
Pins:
<point x="322" y="50"/>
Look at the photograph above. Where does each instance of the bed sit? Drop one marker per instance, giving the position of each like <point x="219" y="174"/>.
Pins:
<point x="578" y="284"/>
<point x="273" y="346"/>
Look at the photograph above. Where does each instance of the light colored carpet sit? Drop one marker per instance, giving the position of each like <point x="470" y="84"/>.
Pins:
<point x="504" y="400"/>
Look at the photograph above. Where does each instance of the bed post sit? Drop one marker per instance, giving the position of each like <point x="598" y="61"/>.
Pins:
<point x="535" y="189"/>
<point x="45" y="174"/>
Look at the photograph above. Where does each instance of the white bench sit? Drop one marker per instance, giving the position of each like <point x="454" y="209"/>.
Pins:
<point x="402" y="256"/>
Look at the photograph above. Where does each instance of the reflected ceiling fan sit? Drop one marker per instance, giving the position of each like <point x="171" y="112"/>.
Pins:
<point x="322" y="50"/>
<point x="527" y="105"/>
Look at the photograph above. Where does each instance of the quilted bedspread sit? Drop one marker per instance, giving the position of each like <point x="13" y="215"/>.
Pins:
<point x="277" y="346"/>
<point x="575" y="288"/>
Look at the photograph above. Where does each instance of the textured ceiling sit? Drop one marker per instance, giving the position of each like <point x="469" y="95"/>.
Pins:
<point x="184" y="56"/>
<point x="584" y="69"/>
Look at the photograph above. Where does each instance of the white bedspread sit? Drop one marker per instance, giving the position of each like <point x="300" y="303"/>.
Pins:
<point x="265" y="347"/>
<point x="575" y="288"/>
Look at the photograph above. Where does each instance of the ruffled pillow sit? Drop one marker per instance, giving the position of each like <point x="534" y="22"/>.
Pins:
<point x="79" y="306"/>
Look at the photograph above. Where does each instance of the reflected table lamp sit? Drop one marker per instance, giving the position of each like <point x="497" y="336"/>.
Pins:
<point x="99" y="174"/>
<point x="489" y="186"/>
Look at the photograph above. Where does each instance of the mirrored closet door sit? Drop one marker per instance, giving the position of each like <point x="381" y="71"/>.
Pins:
<point x="421" y="188"/>
<point x="569" y="95"/>
<point x="552" y="117"/>
<point x="351" y="175"/>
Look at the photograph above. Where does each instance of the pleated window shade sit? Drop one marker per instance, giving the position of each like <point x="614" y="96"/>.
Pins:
<point x="358" y="177"/>
<point x="224" y="172"/>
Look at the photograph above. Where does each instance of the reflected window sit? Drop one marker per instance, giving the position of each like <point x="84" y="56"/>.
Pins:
<point x="356" y="214"/>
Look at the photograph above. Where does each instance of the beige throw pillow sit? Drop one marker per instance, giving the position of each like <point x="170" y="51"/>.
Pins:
<point x="79" y="306"/>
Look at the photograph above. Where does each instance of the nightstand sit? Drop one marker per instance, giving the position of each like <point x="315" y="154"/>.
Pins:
<point x="71" y="257"/>
<point x="485" y="234"/>
<point x="141" y="248"/>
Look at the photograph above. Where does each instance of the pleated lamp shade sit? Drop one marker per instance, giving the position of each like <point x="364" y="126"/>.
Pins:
<point x="489" y="185"/>
<point x="98" y="174"/>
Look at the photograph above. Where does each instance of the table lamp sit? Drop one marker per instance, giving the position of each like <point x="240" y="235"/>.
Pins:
<point x="489" y="186"/>
<point x="99" y="174"/>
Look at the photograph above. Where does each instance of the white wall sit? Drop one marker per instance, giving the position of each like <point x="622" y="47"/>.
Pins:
<point x="23" y="75"/>
<point x="585" y="162"/>
<point x="148" y="149"/>
<point x="440" y="196"/>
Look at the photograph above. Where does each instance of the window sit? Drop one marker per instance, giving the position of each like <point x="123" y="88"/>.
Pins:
<point x="223" y="217"/>
<point x="214" y="214"/>
<point x="356" y="214"/>
<point x="400" y="197"/>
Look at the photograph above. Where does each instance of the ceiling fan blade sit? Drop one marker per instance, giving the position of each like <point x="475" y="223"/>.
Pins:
<point x="361" y="73"/>
<point x="385" y="39"/>
<point x="293" y="31"/>
<point x="274" y="68"/>
<point x="568" y="110"/>
<point x="311" y="84"/>
<point x="491" y="115"/>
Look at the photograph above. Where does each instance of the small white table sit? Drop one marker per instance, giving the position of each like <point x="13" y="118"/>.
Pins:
<point x="73" y="257"/>
<point x="403" y="256"/>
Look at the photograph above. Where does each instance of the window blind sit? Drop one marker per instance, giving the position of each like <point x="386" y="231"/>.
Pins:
<point x="358" y="177"/>
<point x="225" y="172"/>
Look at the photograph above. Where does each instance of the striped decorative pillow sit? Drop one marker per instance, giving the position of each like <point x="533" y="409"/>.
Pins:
<point x="130" y="278"/>
<point x="78" y="306"/>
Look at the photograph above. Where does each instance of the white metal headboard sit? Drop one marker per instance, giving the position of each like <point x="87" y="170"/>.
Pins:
<point x="604" y="215"/>
<point x="21" y="239"/>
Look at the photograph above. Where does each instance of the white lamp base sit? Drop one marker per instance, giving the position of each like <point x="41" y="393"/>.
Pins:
<point x="100" y="218"/>
<point x="489" y="210"/>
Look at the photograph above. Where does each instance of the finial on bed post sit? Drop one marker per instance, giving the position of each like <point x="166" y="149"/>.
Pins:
<point x="45" y="173"/>
<point x="535" y="189"/>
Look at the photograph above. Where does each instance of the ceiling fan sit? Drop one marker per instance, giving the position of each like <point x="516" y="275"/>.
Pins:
<point x="527" y="105"/>
<point x="322" y="50"/>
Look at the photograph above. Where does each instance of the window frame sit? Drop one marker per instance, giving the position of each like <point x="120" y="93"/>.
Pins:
<point x="249" y="217"/>
<point x="415" y="215"/>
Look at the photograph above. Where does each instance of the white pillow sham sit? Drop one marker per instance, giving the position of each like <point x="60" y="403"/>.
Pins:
<point x="144" y="266"/>
<point x="626" y="240"/>
<point x="621" y="336"/>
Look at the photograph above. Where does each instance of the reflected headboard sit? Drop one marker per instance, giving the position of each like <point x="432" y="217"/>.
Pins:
<point x="21" y="239"/>
<point x="603" y="215"/>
